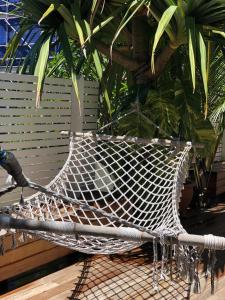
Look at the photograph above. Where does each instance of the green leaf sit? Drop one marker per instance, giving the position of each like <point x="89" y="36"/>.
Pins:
<point x="47" y="13"/>
<point x="190" y="23"/>
<point x="78" y="22"/>
<point x="55" y="66"/>
<point x="99" y="27"/>
<point x="69" y="58"/>
<point x="164" y="21"/>
<point x="65" y="13"/>
<point x="134" y="7"/>
<point x="15" y="41"/>
<point x="94" y="7"/>
<point x="29" y="63"/>
<point x="99" y="70"/>
<point x="203" y="62"/>
<point x="97" y="63"/>
<point x="222" y="33"/>
<point x="41" y="67"/>
<point x="88" y="31"/>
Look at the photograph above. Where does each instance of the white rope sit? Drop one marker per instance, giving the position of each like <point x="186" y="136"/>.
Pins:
<point x="214" y="242"/>
<point x="113" y="182"/>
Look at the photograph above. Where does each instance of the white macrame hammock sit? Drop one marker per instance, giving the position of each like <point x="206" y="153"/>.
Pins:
<point x="113" y="182"/>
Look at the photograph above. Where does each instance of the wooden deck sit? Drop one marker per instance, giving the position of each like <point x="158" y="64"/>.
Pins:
<point x="106" y="279"/>
<point x="27" y="255"/>
<point x="128" y="277"/>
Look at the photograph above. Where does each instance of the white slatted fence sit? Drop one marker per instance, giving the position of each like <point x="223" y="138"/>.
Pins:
<point x="34" y="135"/>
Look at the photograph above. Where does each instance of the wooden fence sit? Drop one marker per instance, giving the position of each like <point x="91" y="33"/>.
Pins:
<point x="34" y="135"/>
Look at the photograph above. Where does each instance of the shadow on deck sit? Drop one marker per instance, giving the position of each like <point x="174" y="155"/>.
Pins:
<point x="130" y="276"/>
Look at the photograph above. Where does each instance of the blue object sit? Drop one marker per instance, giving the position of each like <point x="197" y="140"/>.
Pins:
<point x="3" y="156"/>
<point x="9" y="25"/>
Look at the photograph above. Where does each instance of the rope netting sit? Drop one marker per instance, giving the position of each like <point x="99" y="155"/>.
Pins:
<point x="113" y="181"/>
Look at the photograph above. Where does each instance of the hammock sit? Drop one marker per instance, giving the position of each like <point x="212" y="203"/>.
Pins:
<point x="112" y="182"/>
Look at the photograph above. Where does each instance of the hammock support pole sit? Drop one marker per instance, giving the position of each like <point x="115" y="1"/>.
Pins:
<point x="124" y="233"/>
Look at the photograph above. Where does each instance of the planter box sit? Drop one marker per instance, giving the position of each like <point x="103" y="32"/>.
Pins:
<point x="216" y="184"/>
<point x="27" y="255"/>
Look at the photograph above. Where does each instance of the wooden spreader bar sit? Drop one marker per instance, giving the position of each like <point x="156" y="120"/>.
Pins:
<point x="124" y="233"/>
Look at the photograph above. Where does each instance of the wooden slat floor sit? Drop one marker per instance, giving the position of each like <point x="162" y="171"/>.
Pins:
<point x="107" y="279"/>
<point x="128" y="277"/>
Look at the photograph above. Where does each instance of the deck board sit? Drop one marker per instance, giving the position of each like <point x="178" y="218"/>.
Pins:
<point x="128" y="278"/>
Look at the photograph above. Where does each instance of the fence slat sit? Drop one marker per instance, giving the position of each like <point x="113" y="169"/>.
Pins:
<point x="31" y="103"/>
<point x="42" y="159"/>
<point x="17" y="77"/>
<point x="31" y="136"/>
<point x="91" y="91"/>
<point x="40" y="152"/>
<point x="33" y="128"/>
<point x="58" y="81"/>
<point x="88" y="83"/>
<point x="34" y="134"/>
<point x="32" y="95"/>
<point x="34" y="119"/>
<point x="6" y="85"/>
<point x="35" y="144"/>
<point x="35" y="112"/>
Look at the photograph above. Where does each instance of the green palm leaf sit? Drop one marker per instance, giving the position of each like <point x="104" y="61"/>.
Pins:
<point x="69" y="58"/>
<point x="41" y="66"/>
<point x="47" y="13"/>
<point x="190" y="23"/>
<point x="203" y="63"/>
<point x="163" y="23"/>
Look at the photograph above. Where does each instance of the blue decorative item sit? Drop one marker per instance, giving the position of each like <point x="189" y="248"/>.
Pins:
<point x="9" y="25"/>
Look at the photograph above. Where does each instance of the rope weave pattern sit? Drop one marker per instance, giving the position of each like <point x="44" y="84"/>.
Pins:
<point x="113" y="182"/>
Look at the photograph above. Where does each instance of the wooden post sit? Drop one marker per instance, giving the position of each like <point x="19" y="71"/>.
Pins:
<point x="223" y="147"/>
<point x="208" y="241"/>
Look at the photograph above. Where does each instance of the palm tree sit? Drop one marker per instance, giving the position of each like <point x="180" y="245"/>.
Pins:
<point x="138" y="37"/>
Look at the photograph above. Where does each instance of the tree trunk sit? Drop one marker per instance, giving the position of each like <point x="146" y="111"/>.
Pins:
<point x="140" y="44"/>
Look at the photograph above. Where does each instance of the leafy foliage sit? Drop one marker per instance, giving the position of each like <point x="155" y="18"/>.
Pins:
<point x="107" y="27"/>
<point x="137" y="45"/>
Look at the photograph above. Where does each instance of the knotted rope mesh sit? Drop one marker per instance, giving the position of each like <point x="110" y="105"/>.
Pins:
<point x="114" y="182"/>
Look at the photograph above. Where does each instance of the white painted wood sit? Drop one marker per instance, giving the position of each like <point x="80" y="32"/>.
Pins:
<point x="55" y="96"/>
<point x="88" y="83"/>
<point x="35" y="119"/>
<point x="33" y="128"/>
<point x="17" y="77"/>
<point x="62" y="89"/>
<point x="91" y="91"/>
<point x="31" y="103"/>
<point x="7" y="85"/>
<point x="34" y="144"/>
<point x="43" y="159"/>
<point x="91" y="97"/>
<point x="77" y="108"/>
<point x="90" y="126"/>
<point x="90" y="112"/>
<point x="40" y="152"/>
<point x="36" y="112"/>
<point x="91" y="104"/>
<point x="90" y="119"/>
<point x="34" y="134"/>
<point x="32" y="95"/>
<point x="57" y="81"/>
<point x="15" y="137"/>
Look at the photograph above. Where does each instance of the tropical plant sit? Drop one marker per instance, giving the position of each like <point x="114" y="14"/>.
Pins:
<point x="135" y="45"/>
<point x="139" y="36"/>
